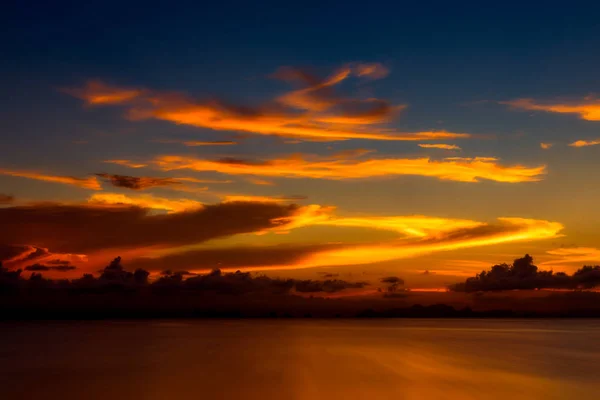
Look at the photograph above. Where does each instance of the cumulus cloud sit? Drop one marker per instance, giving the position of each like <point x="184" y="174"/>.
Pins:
<point x="312" y="112"/>
<point x="546" y="146"/>
<point x="86" y="183"/>
<point x="588" y="108"/>
<point x="334" y="168"/>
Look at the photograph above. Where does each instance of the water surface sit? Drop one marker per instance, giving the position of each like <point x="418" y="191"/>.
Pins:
<point x="301" y="359"/>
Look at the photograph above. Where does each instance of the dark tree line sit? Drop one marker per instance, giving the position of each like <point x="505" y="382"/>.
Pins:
<point x="523" y="274"/>
<point x="114" y="277"/>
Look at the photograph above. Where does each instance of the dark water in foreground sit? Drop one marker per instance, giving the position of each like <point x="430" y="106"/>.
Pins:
<point x="301" y="359"/>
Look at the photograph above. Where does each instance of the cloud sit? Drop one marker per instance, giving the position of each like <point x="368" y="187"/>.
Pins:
<point x="96" y="92"/>
<point x="260" y="182"/>
<point x="588" y="108"/>
<point x="146" y="201"/>
<point x="17" y="256"/>
<point x="507" y="231"/>
<point x="198" y="143"/>
<point x="313" y="112"/>
<point x="261" y="199"/>
<point x="569" y="255"/>
<point x="127" y="163"/>
<point x="546" y="146"/>
<point x="247" y="258"/>
<point x="41" y="267"/>
<point x="420" y="235"/>
<point x="299" y="166"/>
<point x="137" y="183"/>
<point x="584" y="143"/>
<point x="85" y="228"/>
<point x="6" y="199"/>
<point x="86" y="183"/>
<point x="440" y="146"/>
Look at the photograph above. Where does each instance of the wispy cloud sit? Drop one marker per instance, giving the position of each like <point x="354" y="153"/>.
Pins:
<point x="260" y="182"/>
<point x="198" y="143"/>
<point x="86" y="183"/>
<point x="146" y="201"/>
<point x="127" y="163"/>
<point x="261" y="199"/>
<point x="313" y="112"/>
<point x="421" y="235"/>
<point x="570" y="255"/>
<point x="96" y="92"/>
<point x="299" y="166"/>
<point x="585" y="143"/>
<point x="439" y="146"/>
<point x="588" y="108"/>
<point x="546" y="146"/>
<point x="507" y="231"/>
<point x="137" y="182"/>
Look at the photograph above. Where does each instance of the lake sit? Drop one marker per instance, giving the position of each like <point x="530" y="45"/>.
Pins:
<point x="301" y="359"/>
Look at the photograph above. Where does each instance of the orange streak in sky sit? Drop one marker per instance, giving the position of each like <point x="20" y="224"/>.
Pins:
<point x="455" y="169"/>
<point x="86" y="183"/>
<point x="146" y="201"/>
<point x="588" y="109"/>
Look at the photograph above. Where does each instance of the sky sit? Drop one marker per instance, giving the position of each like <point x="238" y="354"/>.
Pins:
<point x="427" y="142"/>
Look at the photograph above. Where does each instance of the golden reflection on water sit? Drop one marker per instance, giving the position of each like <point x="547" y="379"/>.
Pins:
<point x="303" y="359"/>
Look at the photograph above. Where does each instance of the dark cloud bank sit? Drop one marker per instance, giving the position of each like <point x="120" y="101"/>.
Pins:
<point x="85" y="228"/>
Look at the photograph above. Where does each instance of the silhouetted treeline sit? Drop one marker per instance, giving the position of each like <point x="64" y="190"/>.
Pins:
<point x="114" y="278"/>
<point x="523" y="274"/>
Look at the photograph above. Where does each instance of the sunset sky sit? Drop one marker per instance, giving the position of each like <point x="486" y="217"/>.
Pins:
<point x="422" y="143"/>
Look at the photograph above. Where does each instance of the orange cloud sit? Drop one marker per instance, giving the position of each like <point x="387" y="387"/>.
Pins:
<point x="197" y="143"/>
<point x="456" y="169"/>
<point x="588" y="109"/>
<point x="261" y="182"/>
<point x="86" y="183"/>
<point x="98" y="93"/>
<point x="421" y="235"/>
<point x="440" y="146"/>
<point x="569" y="255"/>
<point x="314" y="112"/>
<point x="146" y="201"/>
<point x="509" y="230"/>
<point x="126" y="163"/>
<point x="261" y="199"/>
<point x="584" y="143"/>
<point x="546" y="146"/>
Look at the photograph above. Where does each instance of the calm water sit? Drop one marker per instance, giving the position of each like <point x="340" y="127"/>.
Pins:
<point x="301" y="359"/>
